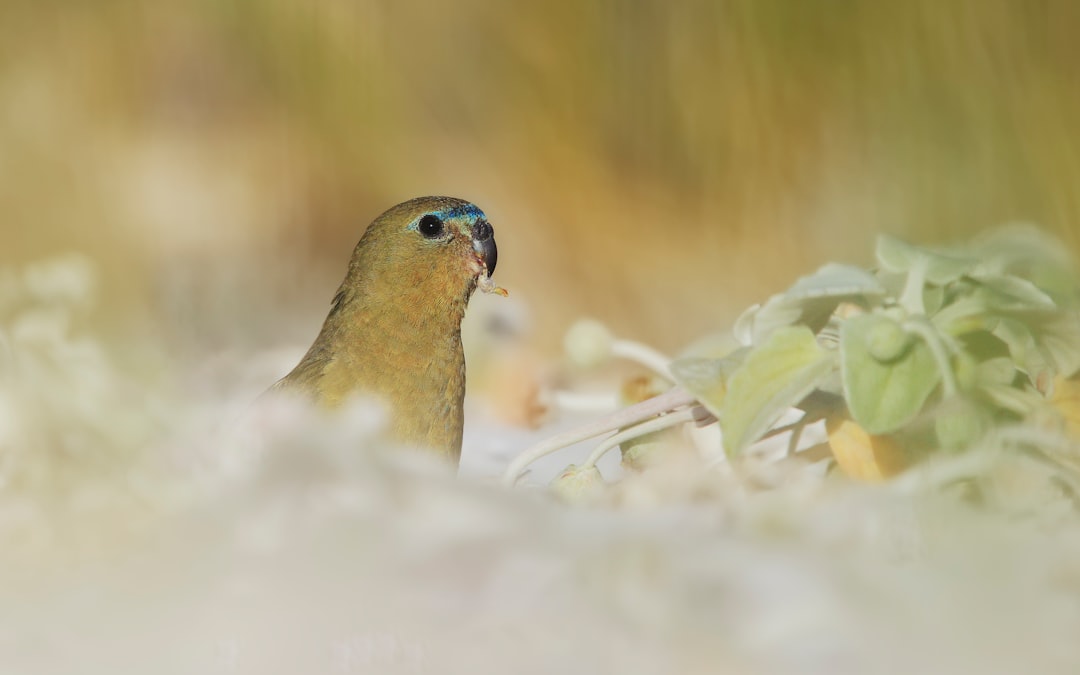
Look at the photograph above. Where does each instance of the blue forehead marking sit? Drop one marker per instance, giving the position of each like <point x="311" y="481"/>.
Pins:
<point x="465" y="211"/>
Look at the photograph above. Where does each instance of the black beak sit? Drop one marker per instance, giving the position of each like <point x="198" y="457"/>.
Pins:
<point x="484" y="244"/>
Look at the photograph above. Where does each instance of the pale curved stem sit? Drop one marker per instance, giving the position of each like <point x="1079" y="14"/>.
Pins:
<point x="645" y="355"/>
<point x="657" y="424"/>
<point x="669" y="400"/>
<point x="912" y="297"/>
<point x="578" y="402"/>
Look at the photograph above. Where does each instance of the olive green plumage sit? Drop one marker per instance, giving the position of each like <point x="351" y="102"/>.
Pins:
<point x="394" y="329"/>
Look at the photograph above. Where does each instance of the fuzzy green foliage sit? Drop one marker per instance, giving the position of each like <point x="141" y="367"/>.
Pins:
<point x="946" y="343"/>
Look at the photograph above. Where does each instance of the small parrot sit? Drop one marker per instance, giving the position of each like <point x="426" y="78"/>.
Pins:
<point x="394" y="328"/>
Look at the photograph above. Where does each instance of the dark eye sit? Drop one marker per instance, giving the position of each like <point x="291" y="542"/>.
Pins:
<point x="430" y="226"/>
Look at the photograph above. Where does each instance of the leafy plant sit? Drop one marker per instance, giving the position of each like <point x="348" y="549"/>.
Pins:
<point x="927" y="352"/>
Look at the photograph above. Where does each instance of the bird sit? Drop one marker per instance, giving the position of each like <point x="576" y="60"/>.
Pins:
<point x="394" y="327"/>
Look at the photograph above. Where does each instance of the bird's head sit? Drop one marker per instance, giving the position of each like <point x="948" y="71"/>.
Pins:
<point x="428" y="244"/>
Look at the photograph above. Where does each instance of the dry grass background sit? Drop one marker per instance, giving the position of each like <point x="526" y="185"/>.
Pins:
<point x="659" y="166"/>
<point x="203" y="170"/>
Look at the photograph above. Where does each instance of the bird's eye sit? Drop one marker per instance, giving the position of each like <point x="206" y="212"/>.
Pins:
<point x="430" y="226"/>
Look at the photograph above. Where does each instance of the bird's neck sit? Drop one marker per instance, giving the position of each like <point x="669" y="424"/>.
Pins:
<point x="409" y="319"/>
<point x="405" y="350"/>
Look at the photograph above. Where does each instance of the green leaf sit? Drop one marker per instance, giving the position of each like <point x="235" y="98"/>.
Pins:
<point x="707" y="379"/>
<point x="983" y="345"/>
<point x="894" y="284"/>
<point x="983" y="359"/>
<point x="760" y="321"/>
<point x="1021" y="402"/>
<point x="1018" y="242"/>
<point x="933" y="298"/>
<point x="775" y="376"/>
<point x="835" y="281"/>
<point x="882" y="397"/>
<point x="997" y="371"/>
<point x="1008" y="293"/>
<point x="960" y="423"/>
<point x="895" y="255"/>
<point x="1026" y="250"/>
<point x="1020" y="340"/>
<point x="810" y="301"/>
<point x="964" y="315"/>
<point x="711" y="346"/>
<point x="1041" y="343"/>
<point x="1058" y="340"/>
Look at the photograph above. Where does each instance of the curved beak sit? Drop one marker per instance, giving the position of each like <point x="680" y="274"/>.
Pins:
<point x="483" y="235"/>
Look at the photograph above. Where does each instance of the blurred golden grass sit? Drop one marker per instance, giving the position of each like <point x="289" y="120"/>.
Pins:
<point x="660" y="166"/>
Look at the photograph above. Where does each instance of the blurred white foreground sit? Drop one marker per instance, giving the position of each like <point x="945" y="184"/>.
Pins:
<point x="145" y="531"/>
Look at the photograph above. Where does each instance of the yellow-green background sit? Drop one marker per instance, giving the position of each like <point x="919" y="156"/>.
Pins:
<point x="659" y="165"/>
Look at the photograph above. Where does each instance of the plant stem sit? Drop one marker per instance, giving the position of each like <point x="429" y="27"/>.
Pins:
<point x="578" y="402"/>
<point x="656" y="424"/>
<point x="912" y="297"/>
<point x="645" y="355"/>
<point x="669" y="400"/>
<point x="796" y="436"/>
